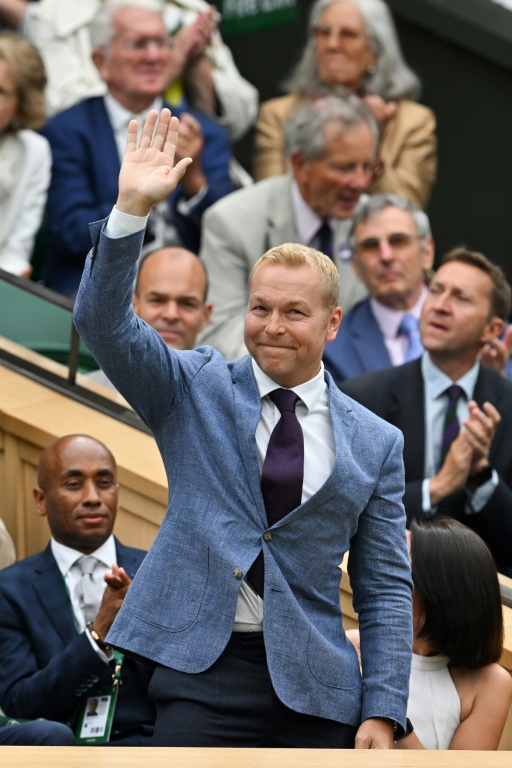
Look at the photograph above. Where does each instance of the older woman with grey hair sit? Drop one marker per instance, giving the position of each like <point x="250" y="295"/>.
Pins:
<point x="353" y="43"/>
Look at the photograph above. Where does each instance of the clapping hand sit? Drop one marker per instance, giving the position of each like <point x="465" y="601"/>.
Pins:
<point x="148" y="174"/>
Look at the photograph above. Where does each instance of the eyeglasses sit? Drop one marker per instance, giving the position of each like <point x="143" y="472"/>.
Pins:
<point x="143" y="43"/>
<point x="344" y="34"/>
<point x="349" y="170"/>
<point x="398" y="241"/>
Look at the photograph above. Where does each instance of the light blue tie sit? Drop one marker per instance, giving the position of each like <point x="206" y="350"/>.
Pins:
<point x="409" y="327"/>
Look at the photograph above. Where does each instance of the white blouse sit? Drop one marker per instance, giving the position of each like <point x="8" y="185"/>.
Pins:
<point x="434" y="704"/>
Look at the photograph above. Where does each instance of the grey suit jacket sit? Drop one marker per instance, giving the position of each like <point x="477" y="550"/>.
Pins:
<point x="180" y="609"/>
<point x="236" y="232"/>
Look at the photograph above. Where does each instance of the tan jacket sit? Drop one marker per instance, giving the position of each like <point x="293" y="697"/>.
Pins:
<point x="408" y="147"/>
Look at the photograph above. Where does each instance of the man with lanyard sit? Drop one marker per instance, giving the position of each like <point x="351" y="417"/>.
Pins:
<point x="57" y="606"/>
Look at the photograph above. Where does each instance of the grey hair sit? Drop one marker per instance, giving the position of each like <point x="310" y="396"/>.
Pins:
<point x="305" y="134"/>
<point x="392" y="78"/>
<point x="102" y="30"/>
<point x="374" y="204"/>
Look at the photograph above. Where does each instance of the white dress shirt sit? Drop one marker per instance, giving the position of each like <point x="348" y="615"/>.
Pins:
<point x="436" y="383"/>
<point x="66" y="558"/>
<point x="308" y="223"/>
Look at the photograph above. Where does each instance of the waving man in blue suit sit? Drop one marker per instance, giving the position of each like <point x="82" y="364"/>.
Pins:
<point x="273" y="475"/>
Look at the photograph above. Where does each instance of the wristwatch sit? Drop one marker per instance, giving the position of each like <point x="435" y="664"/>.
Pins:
<point x="99" y="642"/>
<point x="477" y="479"/>
<point x="397" y="728"/>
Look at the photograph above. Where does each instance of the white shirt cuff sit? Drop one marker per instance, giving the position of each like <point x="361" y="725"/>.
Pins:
<point x="122" y="224"/>
<point x="426" y="506"/>
<point x="476" y="501"/>
<point x="105" y="656"/>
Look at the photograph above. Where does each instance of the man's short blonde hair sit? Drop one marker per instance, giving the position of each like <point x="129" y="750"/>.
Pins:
<point x="296" y="255"/>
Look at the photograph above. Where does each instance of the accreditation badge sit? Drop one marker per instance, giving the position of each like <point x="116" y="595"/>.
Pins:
<point x="96" y="717"/>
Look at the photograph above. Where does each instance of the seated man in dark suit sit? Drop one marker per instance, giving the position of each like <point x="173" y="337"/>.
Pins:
<point x="56" y="607"/>
<point x="392" y="251"/>
<point x="132" y="52"/>
<point x="455" y="414"/>
<point x="39" y="733"/>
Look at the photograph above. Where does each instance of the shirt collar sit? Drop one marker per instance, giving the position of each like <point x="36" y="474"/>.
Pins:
<point x="307" y="221"/>
<point x="437" y="382"/>
<point x="389" y="319"/>
<point x="119" y="116"/>
<point x="66" y="557"/>
<point x="310" y="392"/>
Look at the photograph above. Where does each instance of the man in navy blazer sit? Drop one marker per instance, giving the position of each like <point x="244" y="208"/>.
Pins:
<point x="132" y="54"/>
<point x="468" y="300"/>
<point x="393" y="252"/>
<point x="231" y="668"/>
<point x="51" y="663"/>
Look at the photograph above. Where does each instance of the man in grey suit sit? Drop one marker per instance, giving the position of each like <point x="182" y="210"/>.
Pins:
<point x="333" y="145"/>
<point x="273" y="476"/>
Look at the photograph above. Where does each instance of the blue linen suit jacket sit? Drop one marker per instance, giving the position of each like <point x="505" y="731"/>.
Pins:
<point x="47" y="667"/>
<point x="359" y="346"/>
<point x="83" y="188"/>
<point x="180" y="609"/>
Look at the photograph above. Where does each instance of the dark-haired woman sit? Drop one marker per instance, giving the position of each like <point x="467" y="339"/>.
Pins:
<point x="459" y="696"/>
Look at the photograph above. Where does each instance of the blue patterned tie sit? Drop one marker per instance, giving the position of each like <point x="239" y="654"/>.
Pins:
<point x="283" y="471"/>
<point x="409" y="327"/>
<point x="451" y="424"/>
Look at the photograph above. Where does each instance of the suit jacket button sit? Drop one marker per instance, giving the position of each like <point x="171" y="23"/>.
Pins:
<point x="267" y="536"/>
<point x="238" y="574"/>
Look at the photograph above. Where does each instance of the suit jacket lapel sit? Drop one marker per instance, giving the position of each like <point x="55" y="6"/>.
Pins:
<point x="487" y="389"/>
<point x="408" y="414"/>
<point x="127" y="559"/>
<point x="368" y="342"/>
<point x="49" y="586"/>
<point x="281" y="217"/>
<point x="107" y="155"/>
<point x="247" y="415"/>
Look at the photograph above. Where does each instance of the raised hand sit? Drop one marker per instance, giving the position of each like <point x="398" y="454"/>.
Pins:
<point x="496" y="352"/>
<point x="148" y="174"/>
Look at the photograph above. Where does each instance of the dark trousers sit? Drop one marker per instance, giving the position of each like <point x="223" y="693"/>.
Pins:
<point x="39" y="733"/>
<point x="233" y="704"/>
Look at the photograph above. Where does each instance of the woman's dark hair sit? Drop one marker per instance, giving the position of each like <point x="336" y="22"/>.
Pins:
<point x="455" y="575"/>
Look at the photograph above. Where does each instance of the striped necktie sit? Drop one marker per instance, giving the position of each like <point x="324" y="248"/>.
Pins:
<point x="451" y="424"/>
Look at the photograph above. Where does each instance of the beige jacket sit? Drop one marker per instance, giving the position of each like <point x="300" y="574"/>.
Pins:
<point x="408" y="147"/>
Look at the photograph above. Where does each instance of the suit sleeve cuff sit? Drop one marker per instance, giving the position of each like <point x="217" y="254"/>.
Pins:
<point x="106" y="657"/>
<point x="426" y="506"/>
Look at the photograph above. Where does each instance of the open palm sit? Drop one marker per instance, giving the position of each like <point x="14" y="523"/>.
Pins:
<point x="148" y="174"/>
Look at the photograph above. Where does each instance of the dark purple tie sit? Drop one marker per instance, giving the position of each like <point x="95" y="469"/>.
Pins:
<point x="451" y="424"/>
<point x="324" y="236"/>
<point x="283" y="471"/>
